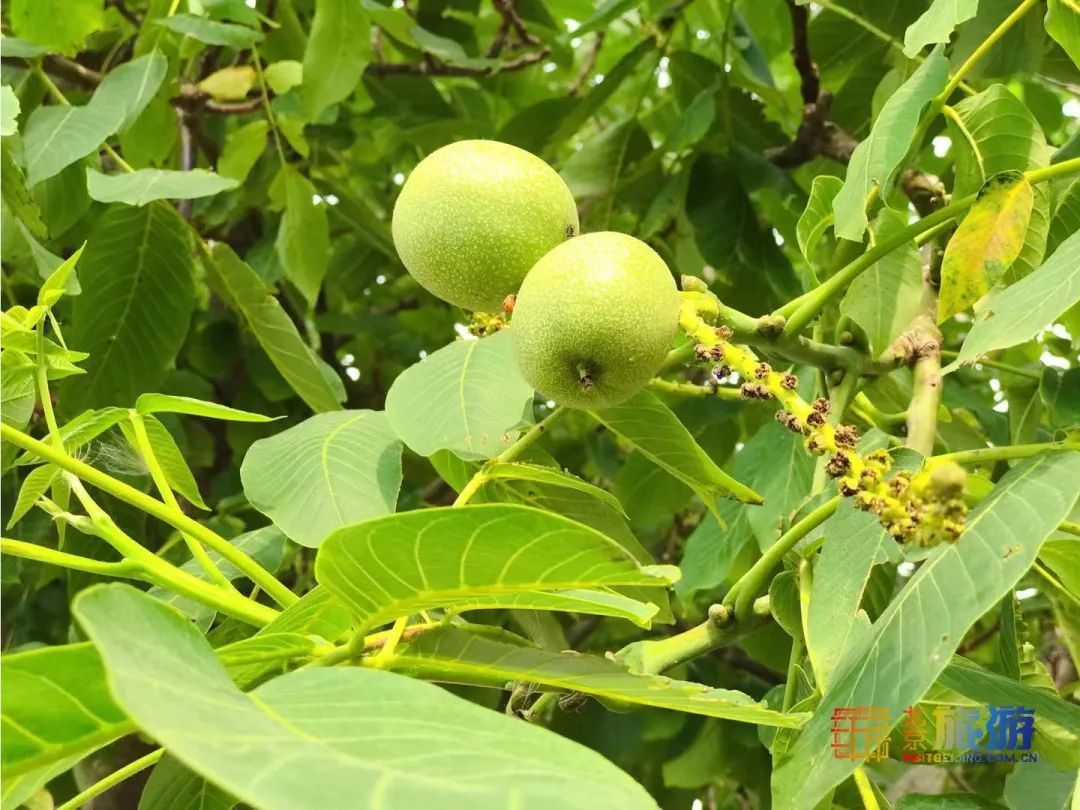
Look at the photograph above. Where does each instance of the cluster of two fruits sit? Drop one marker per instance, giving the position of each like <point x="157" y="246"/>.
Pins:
<point x="594" y="316"/>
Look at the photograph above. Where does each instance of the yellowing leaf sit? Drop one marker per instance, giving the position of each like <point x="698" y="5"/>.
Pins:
<point x="229" y="84"/>
<point x="986" y="243"/>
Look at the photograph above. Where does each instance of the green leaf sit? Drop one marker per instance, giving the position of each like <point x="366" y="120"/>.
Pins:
<point x="1063" y="24"/>
<point x="453" y="655"/>
<point x="56" y="705"/>
<point x="138" y="295"/>
<point x="167" y="403"/>
<point x="338" y="48"/>
<point x="57" y="283"/>
<point x="16" y="196"/>
<point x="169" y="456"/>
<point x="1066" y="218"/>
<point x="57" y="136"/>
<point x="303" y="242"/>
<point x="331" y="738"/>
<point x="331" y="470"/>
<point x="986" y="244"/>
<point x="57" y="25"/>
<point x="36" y="484"/>
<point x="854" y="543"/>
<point x="147" y="185"/>
<point x="251" y="660"/>
<point x="172" y="786"/>
<point x="878" y="155"/>
<point x="246" y="293"/>
<point x="212" y="32"/>
<point x="9" y="111"/>
<point x="649" y="425"/>
<point x="883" y="300"/>
<point x="993" y="689"/>
<point x="468" y="397"/>
<point x="937" y="24"/>
<point x="482" y="556"/>
<point x="318" y="613"/>
<point x="817" y="216"/>
<point x="242" y="150"/>
<point x="910" y="644"/>
<point x="1060" y="392"/>
<point x="1020" y="311"/>
<point x="1018" y="52"/>
<point x="284" y="75"/>
<point x="550" y="475"/>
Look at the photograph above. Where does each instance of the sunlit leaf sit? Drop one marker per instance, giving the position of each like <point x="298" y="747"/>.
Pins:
<point x="937" y="24"/>
<point x="483" y="556"/>
<point x="468" y="397"/>
<point x="453" y="655"/>
<point x="330" y="471"/>
<point x="355" y="731"/>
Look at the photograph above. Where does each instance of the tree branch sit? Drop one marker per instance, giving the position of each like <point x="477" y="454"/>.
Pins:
<point x="429" y="67"/>
<point x="810" y="85"/>
<point x="816" y="136"/>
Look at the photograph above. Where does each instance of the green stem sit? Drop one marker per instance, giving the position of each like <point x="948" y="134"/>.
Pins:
<point x="797" y="649"/>
<point x="652" y="657"/>
<point x="30" y="551"/>
<point x="163" y="573"/>
<point x="142" y="441"/>
<point x="687" y="389"/>
<point x="270" y="116"/>
<point x="1069" y="527"/>
<point x="1031" y="374"/>
<point x="800" y="311"/>
<point x="43" y="388"/>
<point x="985" y="47"/>
<point x="866" y="790"/>
<point x="114" y="778"/>
<point x="752" y="583"/>
<point x="925" y="399"/>
<point x="1008" y="453"/>
<point x="178" y="520"/>
<point x="525" y="441"/>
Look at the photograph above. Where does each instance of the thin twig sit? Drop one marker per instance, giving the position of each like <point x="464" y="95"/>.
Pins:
<point x="588" y="65"/>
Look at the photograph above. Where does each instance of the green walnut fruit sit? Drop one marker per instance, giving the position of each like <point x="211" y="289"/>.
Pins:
<point x="474" y="216"/>
<point x="594" y="320"/>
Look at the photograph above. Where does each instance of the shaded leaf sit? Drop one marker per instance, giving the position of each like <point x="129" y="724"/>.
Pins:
<point x="883" y="300"/>
<point x="245" y="292"/>
<point x="212" y="32"/>
<point x="338" y="47"/>
<point x="550" y="475"/>
<point x="138" y="295"/>
<point x="878" y="155"/>
<point x="146" y="185"/>
<point x="355" y="731"/>
<point x="453" y="655"/>
<point x="303" y="242"/>
<point x="482" y="556"/>
<point x="649" y="425"/>
<point x="818" y="215"/>
<point x="468" y="397"/>
<point x="172" y="786"/>
<point x="1063" y="24"/>
<point x="986" y="243"/>
<point x="330" y="471"/>
<point x="854" y="542"/>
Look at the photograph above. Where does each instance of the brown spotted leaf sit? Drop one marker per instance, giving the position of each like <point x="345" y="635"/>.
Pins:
<point x="986" y="243"/>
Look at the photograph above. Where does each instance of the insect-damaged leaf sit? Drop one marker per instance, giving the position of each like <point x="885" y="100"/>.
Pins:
<point x="986" y="243"/>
